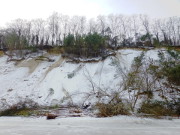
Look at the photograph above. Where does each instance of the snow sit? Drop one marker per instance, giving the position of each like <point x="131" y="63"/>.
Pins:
<point x="87" y="126"/>
<point x="61" y="82"/>
<point x="128" y="55"/>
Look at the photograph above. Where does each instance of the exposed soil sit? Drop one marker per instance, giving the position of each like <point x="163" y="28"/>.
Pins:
<point x="31" y="64"/>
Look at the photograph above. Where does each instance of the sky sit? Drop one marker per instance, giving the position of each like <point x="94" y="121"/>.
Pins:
<point x="32" y="9"/>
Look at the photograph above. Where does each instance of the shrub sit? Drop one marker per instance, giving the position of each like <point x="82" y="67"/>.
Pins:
<point x="173" y="75"/>
<point x="33" y="49"/>
<point x="156" y="108"/>
<point x="174" y="106"/>
<point x="20" y="109"/>
<point x="170" y="66"/>
<point x="110" y="109"/>
<point x="114" y="107"/>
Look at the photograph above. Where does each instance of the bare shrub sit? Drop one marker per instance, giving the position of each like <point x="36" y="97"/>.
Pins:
<point x="111" y="109"/>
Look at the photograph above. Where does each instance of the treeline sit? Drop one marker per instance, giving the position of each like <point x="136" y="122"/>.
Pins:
<point x="90" y="37"/>
<point x="90" y="45"/>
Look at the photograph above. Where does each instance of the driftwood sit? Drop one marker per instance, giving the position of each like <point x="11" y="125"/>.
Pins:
<point x="51" y="116"/>
<point x="16" y="60"/>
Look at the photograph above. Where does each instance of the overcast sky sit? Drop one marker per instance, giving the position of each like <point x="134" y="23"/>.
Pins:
<point x="31" y="9"/>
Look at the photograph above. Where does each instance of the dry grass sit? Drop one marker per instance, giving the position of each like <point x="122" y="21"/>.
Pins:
<point x="108" y="110"/>
<point x="56" y="50"/>
<point x="1" y="53"/>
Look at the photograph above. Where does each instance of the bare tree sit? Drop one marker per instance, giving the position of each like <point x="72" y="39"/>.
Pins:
<point x="163" y="28"/>
<point x="38" y="29"/>
<point x="17" y="33"/>
<point x="146" y="24"/>
<point x="53" y="22"/>
<point x="101" y="20"/>
<point x="135" y="21"/>
<point x="65" y="25"/>
<point x="156" y="31"/>
<point x="92" y="26"/>
<point x="82" y="25"/>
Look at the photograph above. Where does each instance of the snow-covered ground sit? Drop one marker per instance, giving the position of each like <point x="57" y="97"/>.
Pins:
<point x="120" y="125"/>
<point x="61" y="82"/>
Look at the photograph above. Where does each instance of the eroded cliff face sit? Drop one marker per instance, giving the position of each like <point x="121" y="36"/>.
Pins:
<point x="62" y="82"/>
